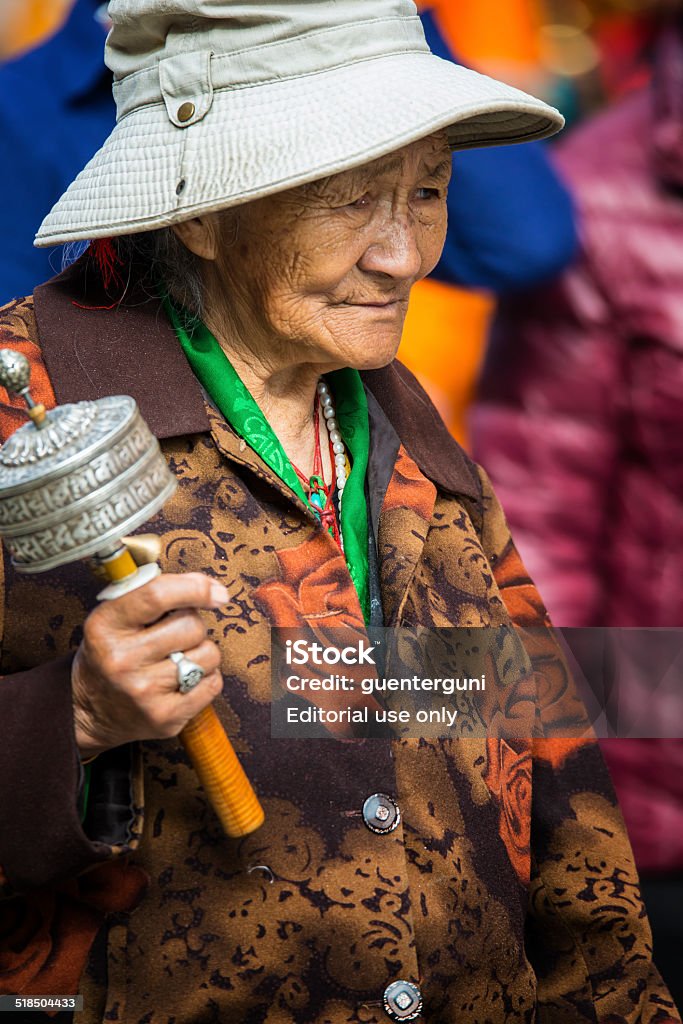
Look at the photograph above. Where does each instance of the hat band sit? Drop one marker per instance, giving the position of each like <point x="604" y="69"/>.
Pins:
<point x="204" y="70"/>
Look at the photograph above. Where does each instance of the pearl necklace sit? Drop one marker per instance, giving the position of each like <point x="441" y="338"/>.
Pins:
<point x="335" y="438"/>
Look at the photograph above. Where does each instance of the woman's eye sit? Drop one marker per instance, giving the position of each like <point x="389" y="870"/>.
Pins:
<point x="362" y="201"/>
<point x="424" y="194"/>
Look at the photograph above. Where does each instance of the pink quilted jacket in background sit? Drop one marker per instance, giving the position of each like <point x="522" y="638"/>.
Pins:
<point x="580" y="418"/>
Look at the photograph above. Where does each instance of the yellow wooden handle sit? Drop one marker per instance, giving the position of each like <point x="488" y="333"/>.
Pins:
<point x="214" y="759"/>
<point x="212" y="754"/>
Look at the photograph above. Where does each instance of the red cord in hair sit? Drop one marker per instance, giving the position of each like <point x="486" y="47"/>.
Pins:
<point x="105" y="255"/>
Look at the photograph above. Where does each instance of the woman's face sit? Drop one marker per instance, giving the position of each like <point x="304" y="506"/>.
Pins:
<point x="323" y="271"/>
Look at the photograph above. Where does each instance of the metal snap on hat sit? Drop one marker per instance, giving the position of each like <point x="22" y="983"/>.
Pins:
<point x="237" y="100"/>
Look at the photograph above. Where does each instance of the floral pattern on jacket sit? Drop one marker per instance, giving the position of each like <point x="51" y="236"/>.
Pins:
<point x="507" y="893"/>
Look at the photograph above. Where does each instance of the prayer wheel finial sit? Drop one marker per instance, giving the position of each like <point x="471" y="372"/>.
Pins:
<point x="15" y="376"/>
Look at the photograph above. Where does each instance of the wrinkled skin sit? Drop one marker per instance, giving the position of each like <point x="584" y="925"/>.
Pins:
<point x="321" y="273"/>
<point x="123" y="681"/>
<point x="297" y="284"/>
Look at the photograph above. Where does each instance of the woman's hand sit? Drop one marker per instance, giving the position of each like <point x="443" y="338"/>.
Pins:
<point x="124" y="684"/>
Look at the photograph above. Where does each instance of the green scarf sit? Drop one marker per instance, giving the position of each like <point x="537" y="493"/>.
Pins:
<point x="215" y="372"/>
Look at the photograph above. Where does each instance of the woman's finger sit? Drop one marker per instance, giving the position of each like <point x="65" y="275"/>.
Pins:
<point x="178" y="631"/>
<point x="170" y="709"/>
<point x="168" y="592"/>
<point x="190" y="704"/>
<point x="206" y="655"/>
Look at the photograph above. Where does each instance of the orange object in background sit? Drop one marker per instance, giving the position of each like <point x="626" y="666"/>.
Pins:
<point x="444" y="341"/>
<point x="25" y="23"/>
<point x="446" y="331"/>
<point x="490" y="30"/>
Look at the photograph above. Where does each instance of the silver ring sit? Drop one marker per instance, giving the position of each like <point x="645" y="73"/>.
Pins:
<point x="188" y="673"/>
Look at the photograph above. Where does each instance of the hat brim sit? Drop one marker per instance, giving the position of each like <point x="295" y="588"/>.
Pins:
<point x="259" y="140"/>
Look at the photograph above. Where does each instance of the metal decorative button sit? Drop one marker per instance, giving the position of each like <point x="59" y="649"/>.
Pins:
<point x="185" y="111"/>
<point x="381" y="813"/>
<point x="402" y="1001"/>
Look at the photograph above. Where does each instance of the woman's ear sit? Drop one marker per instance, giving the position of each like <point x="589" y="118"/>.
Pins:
<point x="199" y="235"/>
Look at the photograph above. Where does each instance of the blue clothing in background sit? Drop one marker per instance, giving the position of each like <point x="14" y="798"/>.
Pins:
<point x="511" y="222"/>
<point x="56" y="110"/>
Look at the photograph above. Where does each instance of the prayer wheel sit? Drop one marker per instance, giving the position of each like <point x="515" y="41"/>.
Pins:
<point x="73" y="482"/>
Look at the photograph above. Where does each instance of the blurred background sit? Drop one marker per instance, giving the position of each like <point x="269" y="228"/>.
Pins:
<point x="579" y="54"/>
<point x="25" y="23"/>
<point x="550" y="335"/>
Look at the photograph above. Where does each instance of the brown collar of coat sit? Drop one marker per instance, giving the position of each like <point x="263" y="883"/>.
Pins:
<point x="93" y="348"/>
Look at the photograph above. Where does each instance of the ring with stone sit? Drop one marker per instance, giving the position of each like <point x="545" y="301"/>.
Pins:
<point x="188" y="673"/>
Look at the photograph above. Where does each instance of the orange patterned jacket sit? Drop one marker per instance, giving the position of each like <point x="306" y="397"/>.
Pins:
<point x="508" y="891"/>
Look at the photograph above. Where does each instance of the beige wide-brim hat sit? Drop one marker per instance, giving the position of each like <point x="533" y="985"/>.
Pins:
<point x="223" y="101"/>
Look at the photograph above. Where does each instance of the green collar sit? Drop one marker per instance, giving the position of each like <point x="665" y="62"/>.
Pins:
<point x="217" y="375"/>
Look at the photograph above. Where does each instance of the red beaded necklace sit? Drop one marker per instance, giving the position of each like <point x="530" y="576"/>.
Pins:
<point x="320" y="497"/>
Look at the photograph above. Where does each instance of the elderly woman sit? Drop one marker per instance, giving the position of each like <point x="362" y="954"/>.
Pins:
<point x="274" y="187"/>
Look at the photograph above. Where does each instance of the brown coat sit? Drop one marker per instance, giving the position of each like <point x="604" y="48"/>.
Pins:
<point x="508" y="893"/>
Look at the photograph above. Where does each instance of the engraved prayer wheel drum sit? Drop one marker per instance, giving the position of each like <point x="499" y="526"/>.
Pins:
<point x="91" y="473"/>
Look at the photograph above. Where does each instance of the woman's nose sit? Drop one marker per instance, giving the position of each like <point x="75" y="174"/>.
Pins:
<point x="394" y="250"/>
